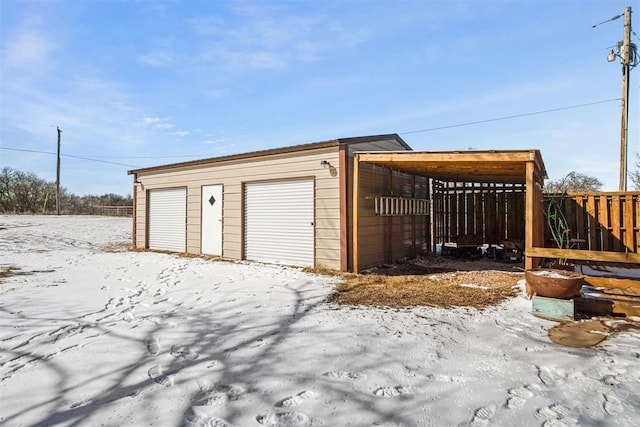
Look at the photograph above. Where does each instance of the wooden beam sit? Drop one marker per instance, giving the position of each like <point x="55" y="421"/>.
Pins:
<point x="448" y="156"/>
<point x="343" y="170"/>
<point x="621" y="257"/>
<point x="356" y="213"/>
<point x="529" y="214"/>
<point x="631" y="286"/>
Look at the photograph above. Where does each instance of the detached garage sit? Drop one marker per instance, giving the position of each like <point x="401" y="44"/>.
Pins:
<point x="346" y="204"/>
<point x="287" y="205"/>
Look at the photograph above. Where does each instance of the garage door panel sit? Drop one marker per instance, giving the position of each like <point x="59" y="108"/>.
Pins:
<point x="279" y="219"/>
<point x="167" y="219"/>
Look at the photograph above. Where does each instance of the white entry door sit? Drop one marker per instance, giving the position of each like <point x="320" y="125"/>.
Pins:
<point x="211" y="236"/>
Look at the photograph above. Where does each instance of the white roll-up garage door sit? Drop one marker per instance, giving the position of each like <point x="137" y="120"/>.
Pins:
<point x="168" y="219"/>
<point x="279" y="222"/>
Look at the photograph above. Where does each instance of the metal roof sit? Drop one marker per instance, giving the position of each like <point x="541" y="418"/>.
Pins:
<point x="274" y="151"/>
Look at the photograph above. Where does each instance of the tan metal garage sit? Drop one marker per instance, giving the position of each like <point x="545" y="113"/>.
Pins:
<point x="346" y="204"/>
<point x="287" y="205"/>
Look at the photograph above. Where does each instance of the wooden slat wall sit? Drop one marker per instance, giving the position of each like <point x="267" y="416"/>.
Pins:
<point x="385" y="239"/>
<point x="485" y="213"/>
<point x="603" y="221"/>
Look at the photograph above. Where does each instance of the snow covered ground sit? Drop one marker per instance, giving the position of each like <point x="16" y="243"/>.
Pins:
<point x="95" y="337"/>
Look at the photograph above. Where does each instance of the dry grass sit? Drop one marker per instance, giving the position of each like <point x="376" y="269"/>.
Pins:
<point x="414" y="284"/>
<point x="434" y="282"/>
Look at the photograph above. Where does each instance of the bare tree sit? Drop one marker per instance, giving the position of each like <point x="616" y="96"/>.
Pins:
<point x="24" y="192"/>
<point x="574" y="182"/>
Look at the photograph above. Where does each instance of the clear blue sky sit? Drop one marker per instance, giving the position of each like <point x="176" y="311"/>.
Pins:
<point x="153" y="82"/>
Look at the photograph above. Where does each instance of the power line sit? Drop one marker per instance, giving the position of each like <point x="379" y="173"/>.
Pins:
<point x="400" y="133"/>
<point x="95" y="158"/>
<point x="608" y="20"/>
<point x="153" y="157"/>
<point x="515" y="116"/>
<point x="67" y="155"/>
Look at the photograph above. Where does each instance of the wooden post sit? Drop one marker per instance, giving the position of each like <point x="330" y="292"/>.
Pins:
<point x="356" y="213"/>
<point x="625" y="57"/>
<point x="390" y="219"/>
<point x="343" y="171"/>
<point x="58" y="175"/>
<point x="530" y="214"/>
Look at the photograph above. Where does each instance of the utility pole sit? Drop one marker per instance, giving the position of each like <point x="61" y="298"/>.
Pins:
<point x="625" y="58"/>
<point x="58" y="175"/>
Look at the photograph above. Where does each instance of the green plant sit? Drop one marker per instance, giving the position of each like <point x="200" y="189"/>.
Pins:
<point x="557" y="221"/>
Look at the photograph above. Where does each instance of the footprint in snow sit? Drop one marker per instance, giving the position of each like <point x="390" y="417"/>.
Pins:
<point x="482" y="416"/>
<point x="393" y="391"/>
<point x="197" y="418"/>
<point x="153" y="346"/>
<point x="283" y="419"/>
<point x="612" y="405"/>
<point x="219" y="394"/>
<point x="555" y="414"/>
<point x="447" y="378"/>
<point x="545" y="375"/>
<point x="344" y="375"/>
<point x="518" y="397"/>
<point x="158" y="377"/>
<point x="184" y="352"/>
<point x="290" y="401"/>
<point x="80" y="403"/>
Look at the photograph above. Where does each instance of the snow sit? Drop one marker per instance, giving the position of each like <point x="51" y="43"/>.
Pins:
<point x="552" y="273"/>
<point x="93" y="336"/>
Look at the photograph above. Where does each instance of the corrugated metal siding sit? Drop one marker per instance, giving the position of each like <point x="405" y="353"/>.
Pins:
<point x="167" y="219"/>
<point x="279" y="222"/>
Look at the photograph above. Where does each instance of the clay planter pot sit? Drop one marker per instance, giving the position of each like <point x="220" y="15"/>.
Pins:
<point x="553" y="283"/>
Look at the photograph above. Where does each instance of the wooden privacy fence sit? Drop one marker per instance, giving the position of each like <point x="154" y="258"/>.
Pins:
<point x="601" y="221"/>
<point x="486" y="213"/>
<point x="603" y="227"/>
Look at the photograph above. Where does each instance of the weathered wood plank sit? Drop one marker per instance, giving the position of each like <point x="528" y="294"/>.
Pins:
<point x="500" y="213"/>
<point x="477" y="201"/>
<point x="605" y="306"/>
<point x="462" y="231"/>
<point x="592" y="223"/>
<point x="628" y="286"/>
<point x="615" y="223"/>
<point x="629" y="241"/>
<point x="581" y="232"/>
<point x="574" y="254"/>
<point x="603" y="217"/>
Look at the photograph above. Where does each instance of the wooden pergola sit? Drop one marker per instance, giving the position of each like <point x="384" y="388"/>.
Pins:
<point x="504" y="167"/>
